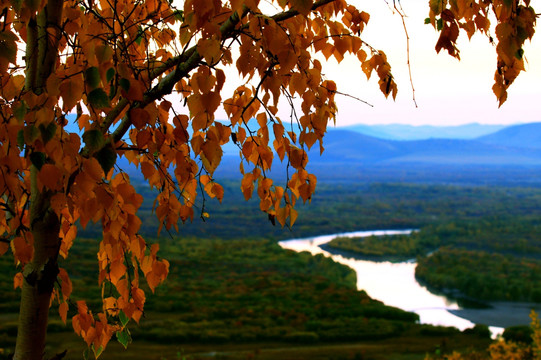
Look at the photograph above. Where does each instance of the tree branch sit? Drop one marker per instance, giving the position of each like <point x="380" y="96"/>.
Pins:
<point x="49" y="34"/>
<point x="31" y="56"/>
<point x="292" y="13"/>
<point x="184" y="64"/>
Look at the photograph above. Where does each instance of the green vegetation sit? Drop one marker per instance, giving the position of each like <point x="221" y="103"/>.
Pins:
<point x="490" y="258"/>
<point x="341" y="207"/>
<point x="482" y="275"/>
<point x="385" y="247"/>
<point x="254" y="290"/>
<point x="245" y="292"/>
<point x="519" y="334"/>
<point x="234" y="296"/>
<point x="495" y="258"/>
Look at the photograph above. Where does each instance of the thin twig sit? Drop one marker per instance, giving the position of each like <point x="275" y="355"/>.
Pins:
<point x="402" y="17"/>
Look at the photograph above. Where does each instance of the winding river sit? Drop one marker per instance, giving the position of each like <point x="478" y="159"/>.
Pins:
<point x="392" y="283"/>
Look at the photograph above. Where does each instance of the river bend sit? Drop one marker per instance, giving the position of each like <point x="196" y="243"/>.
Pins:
<point x="392" y="283"/>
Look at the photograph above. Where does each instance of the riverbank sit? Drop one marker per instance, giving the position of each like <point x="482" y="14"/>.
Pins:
<point x="500" y="314"/>
<point x="353" y="255"/>
<point x="497" y="314"/>
<point x="395" y="284"/>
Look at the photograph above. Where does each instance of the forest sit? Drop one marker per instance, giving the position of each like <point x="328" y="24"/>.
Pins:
<point x="347" y="206"/>
<point x="234" y="288"/>
<point x="239" y="294"/>
<point x="464" y="222"/>
<point x="488" y="256"/>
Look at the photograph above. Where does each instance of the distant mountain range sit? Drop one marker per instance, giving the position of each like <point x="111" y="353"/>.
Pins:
<point x="518" y="145"/>
<point x="520" y="136"/>
<point x="410" y="132"/>
<point x="510" y="156"/>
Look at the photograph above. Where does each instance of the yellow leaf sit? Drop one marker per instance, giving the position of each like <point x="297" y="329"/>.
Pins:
<point x="236" y="5"/>
<point x="210" y="50"/>
<point x="22" y="250"/>
<point x="148" y="170"/>
<point x="13" y="87"/>
<point x="211" y="155"/>
<point x="292" y="216"/>
<point x="67" y="241"/>
<point x="281" y="215"/>
<point x="218" y="191"/>
<point x="110" y="306"/>
<point x="298" y="157"/>
<point x="247" y="186"/>
<point x="117" y="270"/>
<point x="205" y="179"/>
<point x="297" y="84"/>
<point x="93" y="168"/>
<point x="437" y="6"/>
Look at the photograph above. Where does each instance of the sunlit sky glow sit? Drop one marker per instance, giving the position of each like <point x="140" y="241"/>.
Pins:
<point x="448" y="91"/>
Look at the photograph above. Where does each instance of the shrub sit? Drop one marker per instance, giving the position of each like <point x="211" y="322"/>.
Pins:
<point x="518" y="334"/>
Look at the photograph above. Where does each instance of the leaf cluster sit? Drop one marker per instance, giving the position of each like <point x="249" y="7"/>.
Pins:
<point x="515" y="23"/>
<point x="113" y="64"/>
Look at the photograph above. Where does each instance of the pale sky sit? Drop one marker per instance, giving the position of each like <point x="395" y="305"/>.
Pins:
<point x="448" y="92"/>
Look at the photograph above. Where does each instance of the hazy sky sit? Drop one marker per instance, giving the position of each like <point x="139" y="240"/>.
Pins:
<point x="448" y="92"/>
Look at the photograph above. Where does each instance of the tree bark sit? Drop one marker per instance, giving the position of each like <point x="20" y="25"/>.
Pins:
<point x="39" y="276"/>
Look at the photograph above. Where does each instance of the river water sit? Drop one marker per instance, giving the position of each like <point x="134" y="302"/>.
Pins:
<point x="392" y="283"/>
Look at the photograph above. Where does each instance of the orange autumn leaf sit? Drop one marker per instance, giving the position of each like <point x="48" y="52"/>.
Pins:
<point x="93" y="168"/>
<point x="117" y="270"/>
<point x="63" y="311"/>
<point x="18" y="280"/>
<point x="66" y="285"/>
<point x="4" y="246"/>
<point x="210" y="50"/>
<point x="51" y="177"/>
<point x="22" y="248"/>
<point x="71" y="91"/>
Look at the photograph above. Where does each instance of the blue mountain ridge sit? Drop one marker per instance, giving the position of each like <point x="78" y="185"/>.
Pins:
<point x="525" y="135"/>
<point x="421" y="132"/>
<point x="515" y="145"/>
<point x="351" y="154"/>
